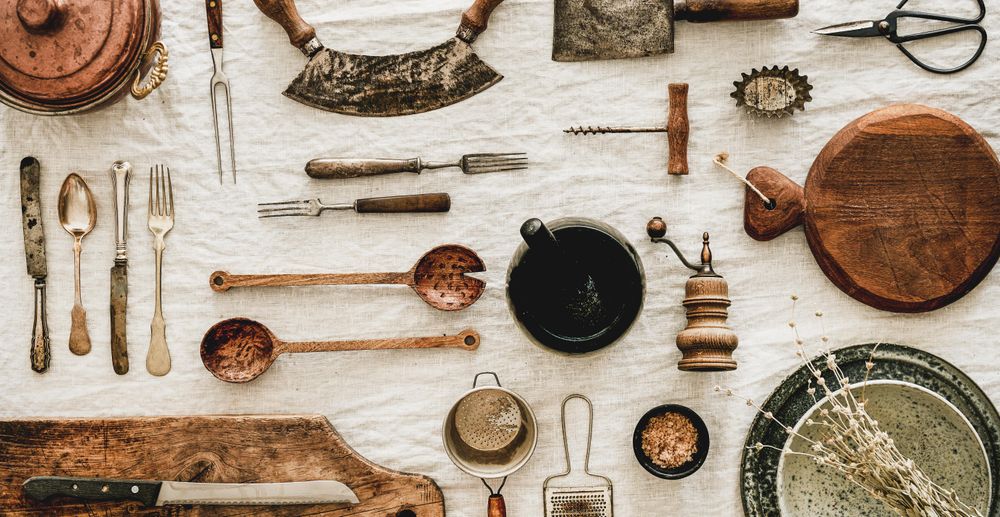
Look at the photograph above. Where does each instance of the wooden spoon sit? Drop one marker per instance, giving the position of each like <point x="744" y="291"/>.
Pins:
<point x="438" y="278"/>
<point x="239" y="350"/>
<point x="78" y="215"/>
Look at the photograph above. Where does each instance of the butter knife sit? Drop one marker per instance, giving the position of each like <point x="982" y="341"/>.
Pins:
<point x="121" y="174"/>
<point x="160" y="493"/>
<point x="34" y="254"/>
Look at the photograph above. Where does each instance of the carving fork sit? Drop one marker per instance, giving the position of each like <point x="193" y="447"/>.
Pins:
<point x="214" y="10"/>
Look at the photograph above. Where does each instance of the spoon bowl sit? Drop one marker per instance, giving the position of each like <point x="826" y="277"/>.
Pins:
<point x="439" y="277"/>
<point x="78" y="216"/>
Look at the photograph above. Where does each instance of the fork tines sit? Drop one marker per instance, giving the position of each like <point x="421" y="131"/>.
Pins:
<point x="288" y="209"/>
<point x="494" y="162"/>
<point x="161" y="192"/>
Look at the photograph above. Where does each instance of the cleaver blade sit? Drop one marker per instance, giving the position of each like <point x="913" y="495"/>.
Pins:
<point x="588" y="30"/>
<point x="392" y="85"/>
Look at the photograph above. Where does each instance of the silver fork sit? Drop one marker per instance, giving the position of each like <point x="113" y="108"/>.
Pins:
<point x="340" y="168"/>
<point x="161" y="221"/>
<point x="214" y="11"/>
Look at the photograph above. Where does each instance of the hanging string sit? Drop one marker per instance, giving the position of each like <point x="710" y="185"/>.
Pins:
<point x="720" y="160"/>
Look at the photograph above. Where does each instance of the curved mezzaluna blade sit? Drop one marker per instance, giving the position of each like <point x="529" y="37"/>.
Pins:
<point x="386" y="86"/>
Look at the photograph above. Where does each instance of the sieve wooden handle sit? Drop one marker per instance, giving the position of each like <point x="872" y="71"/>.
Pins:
<point x="496" y="506"/>
<point x="678" y="129"/>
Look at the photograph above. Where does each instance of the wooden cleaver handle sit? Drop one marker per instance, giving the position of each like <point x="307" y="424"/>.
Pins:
<point x="787" y="209"/>
<point x="284" y="12"/>
<point x="475" y="18"/>
<point x="678" y="129"/>
<point x="735" y="10"/>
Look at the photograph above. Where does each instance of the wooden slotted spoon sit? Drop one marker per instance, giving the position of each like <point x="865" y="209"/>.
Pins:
<point x="438" y="278"/>
<point x="240" y="350"/>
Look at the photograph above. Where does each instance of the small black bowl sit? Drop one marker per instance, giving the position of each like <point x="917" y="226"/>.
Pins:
<point x="684" y="470"/>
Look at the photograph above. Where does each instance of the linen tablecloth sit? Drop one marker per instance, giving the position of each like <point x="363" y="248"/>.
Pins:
<point x="389" y="405"/>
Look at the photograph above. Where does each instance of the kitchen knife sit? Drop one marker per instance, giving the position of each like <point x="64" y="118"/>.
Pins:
<point x="160" y="493"/>
<point x="121" y="174"/>
<point x="34" y="254"/>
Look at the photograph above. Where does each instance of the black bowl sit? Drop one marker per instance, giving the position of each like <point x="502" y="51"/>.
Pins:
<point x="684" y="470"/>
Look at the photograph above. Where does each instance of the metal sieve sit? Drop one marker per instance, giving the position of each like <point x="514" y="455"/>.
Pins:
<point x="490" y="433"/>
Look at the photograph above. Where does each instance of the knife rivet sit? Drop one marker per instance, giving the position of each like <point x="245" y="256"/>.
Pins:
<point x="135" y="489"/>
<point x="75" y="487"/>
<point x="105" y="489"/>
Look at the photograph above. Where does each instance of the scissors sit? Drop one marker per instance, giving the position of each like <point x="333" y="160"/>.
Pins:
<point x="887" y="29"/>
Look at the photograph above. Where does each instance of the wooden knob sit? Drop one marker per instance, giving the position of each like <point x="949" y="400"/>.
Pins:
<point x="656" y="228"/>
<point x="41" y="16"/>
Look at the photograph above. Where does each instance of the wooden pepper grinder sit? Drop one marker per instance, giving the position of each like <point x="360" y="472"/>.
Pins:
<point x="707" y="343"/>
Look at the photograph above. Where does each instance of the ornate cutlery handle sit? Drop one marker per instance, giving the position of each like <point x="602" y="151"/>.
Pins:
<point x="158" y="357"/>
<point x="121" y="175"/>
<point x="40" y="353"/>
<point x="340" y="168"/>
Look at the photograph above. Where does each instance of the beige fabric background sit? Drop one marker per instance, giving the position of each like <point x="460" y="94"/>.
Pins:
<point x="389" y="405"/>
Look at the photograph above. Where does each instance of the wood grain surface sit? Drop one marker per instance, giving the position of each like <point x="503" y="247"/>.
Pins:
<point x="736" y="10"/>
<point x="678" y="128"/>
<point x="224" y="449"/>
<point x="213" y="11"/>
<point x="901" y="208"/>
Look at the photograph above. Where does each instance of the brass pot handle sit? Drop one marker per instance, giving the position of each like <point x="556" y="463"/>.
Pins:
<point x="157" y="74"/>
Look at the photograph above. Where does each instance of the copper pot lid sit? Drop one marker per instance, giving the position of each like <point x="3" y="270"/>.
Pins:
<point x="65" y="53"/>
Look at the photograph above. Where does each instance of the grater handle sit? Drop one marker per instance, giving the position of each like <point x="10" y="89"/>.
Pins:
<point x="496" y="507"/>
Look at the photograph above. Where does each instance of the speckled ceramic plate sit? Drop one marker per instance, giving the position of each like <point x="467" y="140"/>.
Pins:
<point x="927" y="429"/>
<point x="759" y="470"/>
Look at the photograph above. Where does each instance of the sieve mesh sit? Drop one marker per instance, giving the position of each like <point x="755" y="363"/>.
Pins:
<point x="577" y="502"/>
<point x="488" y="420"/>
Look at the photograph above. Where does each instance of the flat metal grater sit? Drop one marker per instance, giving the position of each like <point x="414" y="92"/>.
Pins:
<point x="585" y="494"/>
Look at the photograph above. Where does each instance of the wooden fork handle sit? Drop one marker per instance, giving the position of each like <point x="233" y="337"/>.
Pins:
<point x="404" y="204"/>
<point x="342" y="168"/>
<point x="223" y="281"/>
<point x="466" y="340"/>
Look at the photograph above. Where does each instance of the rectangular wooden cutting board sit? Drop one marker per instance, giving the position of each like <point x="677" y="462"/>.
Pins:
<point x="221" y="449"/>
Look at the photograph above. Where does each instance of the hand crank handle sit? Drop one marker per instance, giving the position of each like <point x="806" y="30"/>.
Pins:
<point x="466" y="340"/>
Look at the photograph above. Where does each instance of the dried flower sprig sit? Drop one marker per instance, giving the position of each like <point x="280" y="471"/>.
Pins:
<point x="853" y="444"/>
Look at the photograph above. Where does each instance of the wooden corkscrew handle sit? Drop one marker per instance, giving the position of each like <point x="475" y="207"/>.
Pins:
<point x="678" y="129"/>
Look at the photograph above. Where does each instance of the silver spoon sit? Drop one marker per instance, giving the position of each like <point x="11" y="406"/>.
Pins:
<point x="78" y="215"/>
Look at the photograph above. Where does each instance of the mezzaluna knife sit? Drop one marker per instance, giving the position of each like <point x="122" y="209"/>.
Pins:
<point x="34" y="254"/>
<point x="121" y="174"/>
<point x="160" y="493"/>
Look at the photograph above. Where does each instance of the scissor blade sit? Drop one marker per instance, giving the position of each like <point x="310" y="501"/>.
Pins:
<point x="858" y="29"/>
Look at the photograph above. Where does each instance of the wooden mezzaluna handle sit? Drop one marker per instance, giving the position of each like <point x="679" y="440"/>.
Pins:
<point x="496" y="507"/>
<point x="285" y="13"/>
<point x="476" y="18"/>
<point x="735" y="10"/>
<point x="765" y="221"/>
<point x="404" y="204"/>
<point x="223" y="281"/>
<point x="213" y="9"/>
<point x="466" y="340"/>
<point x="342" y="168"/>
<point x="678" y="129"/>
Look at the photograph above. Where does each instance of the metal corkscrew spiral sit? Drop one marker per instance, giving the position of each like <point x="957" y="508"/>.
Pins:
<point x="603" y="130"/>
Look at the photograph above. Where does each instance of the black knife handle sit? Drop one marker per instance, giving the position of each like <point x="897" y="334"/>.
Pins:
<point x="41" y="488"/>
<point x="40" y="353"/>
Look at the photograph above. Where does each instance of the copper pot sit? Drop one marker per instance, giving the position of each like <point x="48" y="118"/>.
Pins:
<point x="68" y="56"/>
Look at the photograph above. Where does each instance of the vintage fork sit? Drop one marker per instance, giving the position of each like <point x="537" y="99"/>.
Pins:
<point x="375" y="205"/>
<point x="161" y="221"/>
<point x="340" y="168"/>
<point x="214" y="11"/>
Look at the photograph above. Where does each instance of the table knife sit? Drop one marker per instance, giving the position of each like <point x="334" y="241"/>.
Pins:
<point x="121" y="174"/>
<point x="160" y="493"/>
<point x="34" y="254"/>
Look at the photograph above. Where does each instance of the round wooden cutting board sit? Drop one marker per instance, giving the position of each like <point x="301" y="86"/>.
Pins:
<point x="901" y="208"/>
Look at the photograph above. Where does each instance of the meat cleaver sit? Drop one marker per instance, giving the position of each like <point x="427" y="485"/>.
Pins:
<point x="590" y="30"/>
<point x="391" y="85"/>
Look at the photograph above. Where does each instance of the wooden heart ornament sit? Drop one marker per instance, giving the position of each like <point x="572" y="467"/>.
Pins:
<point x="901" y="208"/>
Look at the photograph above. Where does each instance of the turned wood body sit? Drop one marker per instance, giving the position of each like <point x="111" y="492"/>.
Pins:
<point x="707" y="344"/>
